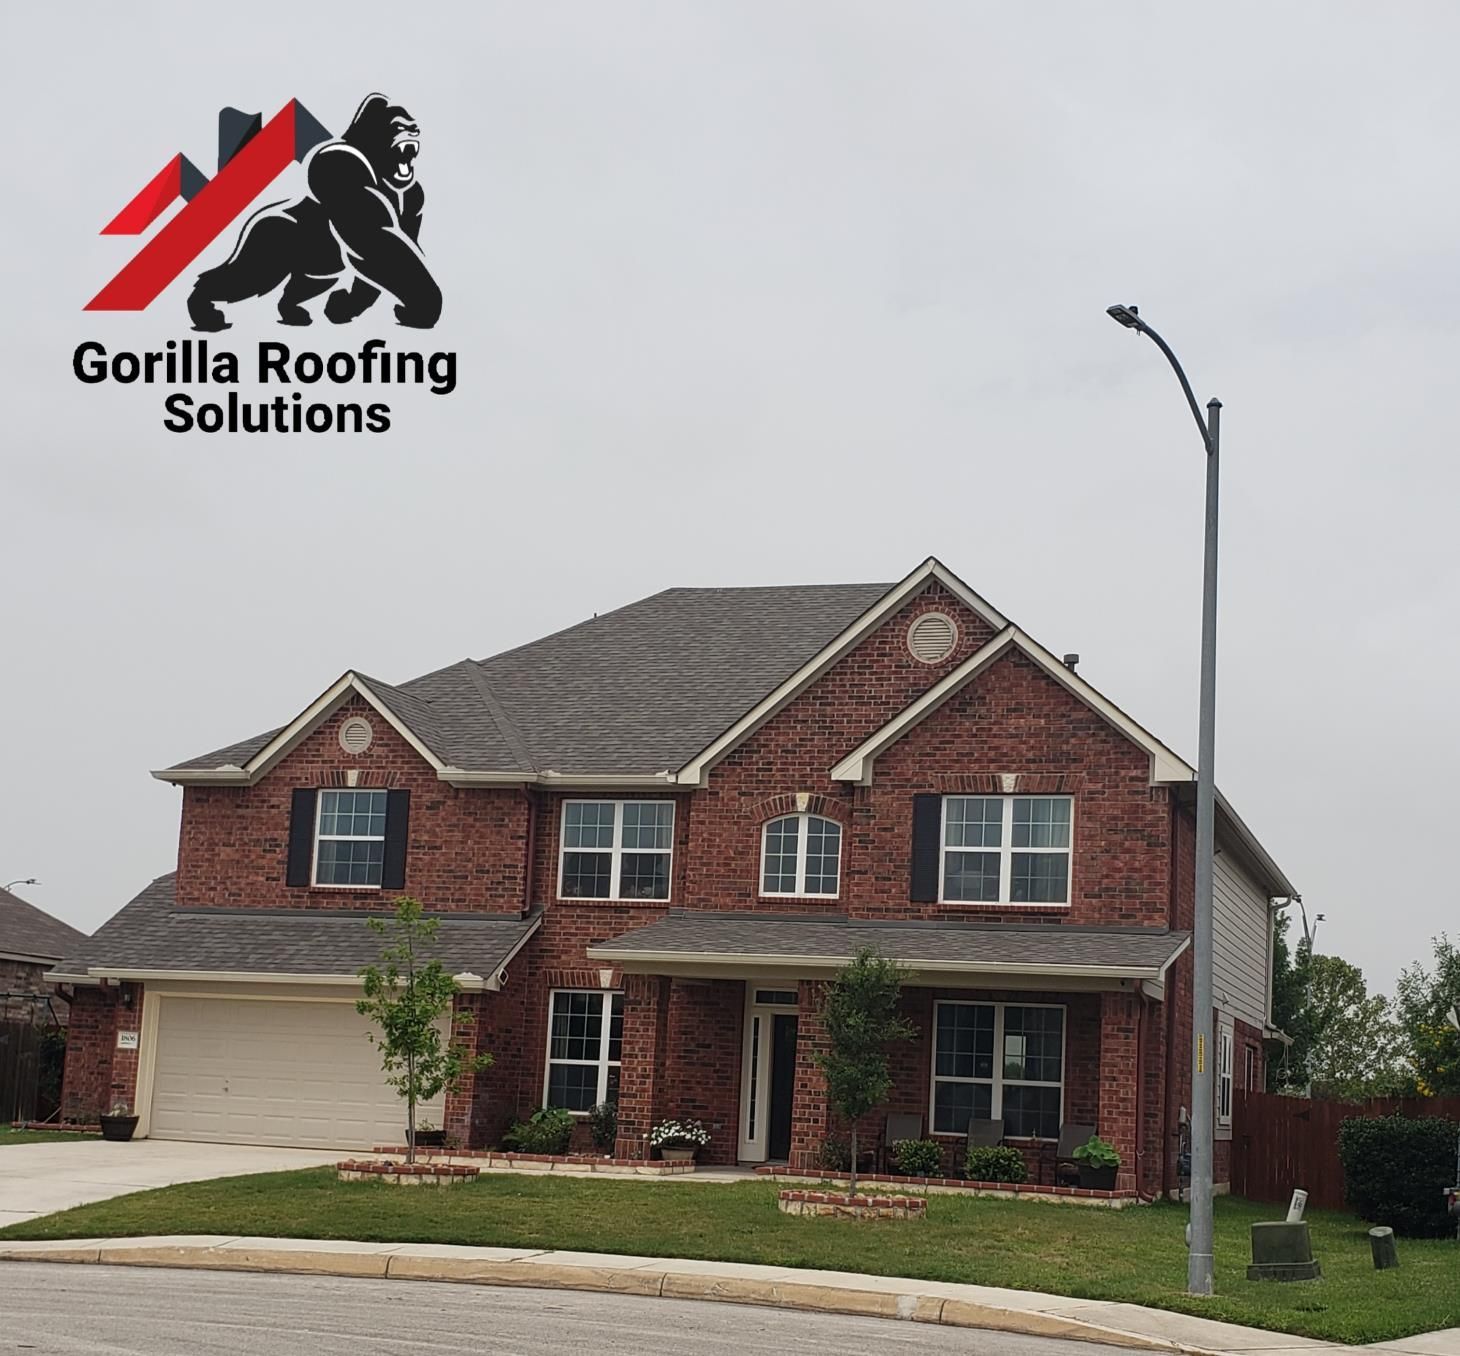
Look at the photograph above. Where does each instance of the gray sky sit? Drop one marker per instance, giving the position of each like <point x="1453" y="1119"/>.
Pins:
<point x="773" y="292"/>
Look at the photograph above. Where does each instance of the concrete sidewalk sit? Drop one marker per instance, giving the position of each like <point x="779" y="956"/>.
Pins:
<point x="964" y="1306"/>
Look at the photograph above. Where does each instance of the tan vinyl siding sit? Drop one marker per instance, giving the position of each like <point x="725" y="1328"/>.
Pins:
<point x="1240" y="960"/>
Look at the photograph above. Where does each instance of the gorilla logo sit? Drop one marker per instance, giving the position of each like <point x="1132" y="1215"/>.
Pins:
<point x="357" y="225"/>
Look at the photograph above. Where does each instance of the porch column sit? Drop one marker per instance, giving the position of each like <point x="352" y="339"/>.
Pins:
<point x="457" y="1117"/>
<point x="810" y="1114"/>
<point x="642" y="1072"/>
<point x="1119" y="1093"/>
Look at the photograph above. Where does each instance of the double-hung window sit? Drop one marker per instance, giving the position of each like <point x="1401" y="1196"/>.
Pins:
<point x="1006" y="849"/>
<point x="1224" y="1075"/>
<point x="998" y="1061"/>
<point x="616" y="849"/>
<point x="585" y="1045"/>
<point x="801" y="855"/>
<point x="349" y="843"/>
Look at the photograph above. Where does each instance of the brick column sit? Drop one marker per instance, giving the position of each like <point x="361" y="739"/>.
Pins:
<point x="457" y="1120"/>
<point x="642" y="1072"/>
<point x="810" y="1114"/>
<point x="1119" y="1094"/>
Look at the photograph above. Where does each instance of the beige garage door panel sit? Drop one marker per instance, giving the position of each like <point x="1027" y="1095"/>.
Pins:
<point x="256" y="1071"/>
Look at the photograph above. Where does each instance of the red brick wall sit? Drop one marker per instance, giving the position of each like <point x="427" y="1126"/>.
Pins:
<point x="467" y="847"/>
<point x="97" y="1074"/>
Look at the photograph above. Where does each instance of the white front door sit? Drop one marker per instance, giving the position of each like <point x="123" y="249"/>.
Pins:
<point x="765" y="1080"/>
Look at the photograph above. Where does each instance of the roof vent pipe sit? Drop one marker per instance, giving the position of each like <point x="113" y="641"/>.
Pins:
<point x="1070" y="660"/>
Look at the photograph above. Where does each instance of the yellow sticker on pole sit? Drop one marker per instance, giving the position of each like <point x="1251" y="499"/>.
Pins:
<point x="1201" y="1054"/>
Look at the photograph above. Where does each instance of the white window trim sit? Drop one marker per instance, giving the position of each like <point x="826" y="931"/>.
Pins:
<point x="800" y="892"/>
<point x="1249" y="1068"/>
<point x="603" y="1063"/>
<point x="314" y="881"/>
<point x="996" y="1082"/>
<point x="1006" y="852"/>
<point x="616" y="850"/>
<point x="1224" y="1072"/>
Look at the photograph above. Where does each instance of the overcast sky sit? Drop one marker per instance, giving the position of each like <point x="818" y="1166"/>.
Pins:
<point x="782" y="292"/>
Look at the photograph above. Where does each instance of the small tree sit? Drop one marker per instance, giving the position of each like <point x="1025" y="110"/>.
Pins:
<point x="406" y="998"/>
<point x="1426" y="999"/>
<point x="859" y="1013"/>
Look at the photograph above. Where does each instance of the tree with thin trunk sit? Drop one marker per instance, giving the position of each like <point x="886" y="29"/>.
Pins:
<point x="860" y="1017"/>
<point x="407" y="998"/>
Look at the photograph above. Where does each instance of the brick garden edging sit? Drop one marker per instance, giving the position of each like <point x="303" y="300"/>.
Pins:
<point x="1115" y="1200"/>
<point x="838" y="1203"/>
<point x="497" y="1158"/>
<point x="405" y="1174"/>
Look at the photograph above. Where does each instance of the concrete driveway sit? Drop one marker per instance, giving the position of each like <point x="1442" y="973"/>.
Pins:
<point x="36" y="1179"/>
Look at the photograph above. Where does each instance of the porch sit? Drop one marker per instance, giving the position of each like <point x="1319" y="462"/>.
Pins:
<point x="1034" y="1027"/>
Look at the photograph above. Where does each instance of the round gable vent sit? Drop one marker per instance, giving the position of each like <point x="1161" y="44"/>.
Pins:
<point x="932" y="637"/>
<point x="356" y="734"/>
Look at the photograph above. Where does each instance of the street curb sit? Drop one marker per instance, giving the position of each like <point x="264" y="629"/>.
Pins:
<point x="667" y="1283"/>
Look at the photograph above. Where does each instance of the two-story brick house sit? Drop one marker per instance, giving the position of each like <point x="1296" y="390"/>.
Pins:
<point x="649" y="839"/>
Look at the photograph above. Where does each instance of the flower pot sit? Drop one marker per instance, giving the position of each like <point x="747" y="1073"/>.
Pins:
<point x="677" y="1155"/>
<point x="1097" y="1179"/>
<point x="430" y="1139"/>
<point x="119" y="1128"/>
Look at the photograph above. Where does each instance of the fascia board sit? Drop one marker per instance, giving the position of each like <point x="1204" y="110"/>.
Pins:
<point x="96" y="973"/>
<point x="566" y="781"/>
<point x="29" y="958"/>
<point x="493" y="984"/>
<point x="301" y="726"/>
<point x="931" y="964"/>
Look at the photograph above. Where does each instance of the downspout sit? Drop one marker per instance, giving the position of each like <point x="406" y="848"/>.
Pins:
<point x="1144" y="1002"/>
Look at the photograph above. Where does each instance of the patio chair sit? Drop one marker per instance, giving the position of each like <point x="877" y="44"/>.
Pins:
<point x="985" y="1134"/>
<point x="1066" y="1169"/>
<point x="900" y="1125"/>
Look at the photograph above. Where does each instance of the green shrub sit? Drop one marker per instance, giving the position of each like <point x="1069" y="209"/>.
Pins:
<point x="1097" y="1153"/>
<point x="603" y="1126"/>
<point x="1396" y="1169"/>
<point x="544" y="1132"/>
<point x="835" y="1155"/>
<point x="918" y="1157"/>
<point x="1000" y="1164"/>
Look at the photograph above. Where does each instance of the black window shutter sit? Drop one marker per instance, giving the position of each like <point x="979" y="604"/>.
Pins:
<point x="301" y="837"/>
<point x="927" y="848"/>
<point x="397" y="829"/>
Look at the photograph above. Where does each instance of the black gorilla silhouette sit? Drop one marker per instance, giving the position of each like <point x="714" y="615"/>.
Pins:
<point x="361" y="216"/>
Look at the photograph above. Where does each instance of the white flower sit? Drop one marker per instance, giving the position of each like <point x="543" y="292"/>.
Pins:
<point x="688" y="1134"/>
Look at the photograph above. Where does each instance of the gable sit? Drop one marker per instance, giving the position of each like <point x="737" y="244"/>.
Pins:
<point x="857" y="766"/>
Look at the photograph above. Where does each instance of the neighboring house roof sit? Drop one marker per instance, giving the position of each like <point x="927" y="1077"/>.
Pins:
<point x="151" y="938"/>
<point x="29" y="933"/>
<point x="709" y="940"/>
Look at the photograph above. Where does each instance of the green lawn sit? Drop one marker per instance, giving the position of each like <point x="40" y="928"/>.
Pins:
<point x="1135" y="1254"/>
<point x="9" y="1136"/>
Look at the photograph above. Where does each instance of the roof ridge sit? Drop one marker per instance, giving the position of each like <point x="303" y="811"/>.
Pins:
<point x="506" y="726"/>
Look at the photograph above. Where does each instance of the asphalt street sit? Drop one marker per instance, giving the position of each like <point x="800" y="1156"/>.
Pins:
<point x="63" y="1310"/>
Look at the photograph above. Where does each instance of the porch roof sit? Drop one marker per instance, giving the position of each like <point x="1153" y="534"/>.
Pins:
<point x="698" y="941"/>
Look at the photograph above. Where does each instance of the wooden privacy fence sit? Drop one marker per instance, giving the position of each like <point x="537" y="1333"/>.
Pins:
<point x="1279" y="1143"/>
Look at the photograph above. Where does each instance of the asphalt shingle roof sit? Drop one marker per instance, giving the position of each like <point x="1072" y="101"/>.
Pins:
<point x="705" y="935"/>
<point x="152" y="933"/>
<point x="28" y="931"/>
<point x="638" y="690"/>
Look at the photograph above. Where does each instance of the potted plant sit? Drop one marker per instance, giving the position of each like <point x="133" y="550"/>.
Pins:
<point x="678" y="1141"/>
<point x="1098" y="1162"/>
<point x="119" y="1123"/>
<point x="429" y="1136"/>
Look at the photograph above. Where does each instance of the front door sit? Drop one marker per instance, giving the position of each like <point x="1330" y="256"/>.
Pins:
<point x="768" y="1072"/>
<point x="783" y="1086"/>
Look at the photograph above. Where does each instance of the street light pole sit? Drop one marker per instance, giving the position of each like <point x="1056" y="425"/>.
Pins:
<point x="1199" y="1279"/>
<point x="29" y="880"/>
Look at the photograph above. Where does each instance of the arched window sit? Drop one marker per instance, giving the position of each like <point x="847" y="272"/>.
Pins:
<point x="801" y="855"/>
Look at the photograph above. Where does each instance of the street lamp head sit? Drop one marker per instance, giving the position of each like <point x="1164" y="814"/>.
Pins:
<point x="29" y="880"/>
<point x="1129" y="316"/>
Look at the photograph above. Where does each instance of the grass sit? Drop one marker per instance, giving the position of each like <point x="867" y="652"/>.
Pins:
<point x="1137" y="1255"/>
<point x="11" y="1136"/>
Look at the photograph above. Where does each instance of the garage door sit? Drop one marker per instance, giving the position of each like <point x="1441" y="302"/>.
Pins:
<point x="255" y="1071"/>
